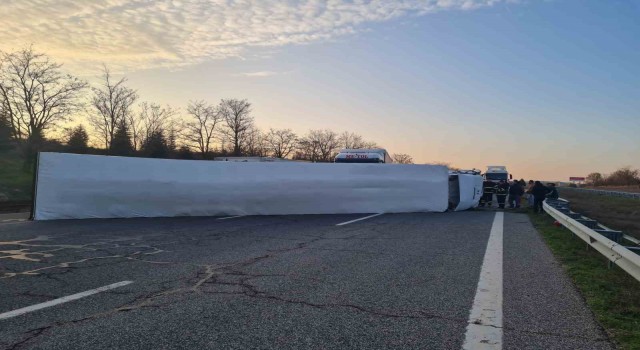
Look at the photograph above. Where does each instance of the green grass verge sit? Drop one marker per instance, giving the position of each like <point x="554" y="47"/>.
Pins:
<point x="612" y="294"/>
<point x="15" y="183"/>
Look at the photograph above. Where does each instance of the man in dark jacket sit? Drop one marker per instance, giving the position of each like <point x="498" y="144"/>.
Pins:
<point x="553" y="191"/>
<point x="515" y="193"/>
<point x="501" y="193"/>
<point x="539" y="192"/>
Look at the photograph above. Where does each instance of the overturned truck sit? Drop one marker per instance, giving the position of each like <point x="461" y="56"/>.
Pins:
<point x="72" y="186"/>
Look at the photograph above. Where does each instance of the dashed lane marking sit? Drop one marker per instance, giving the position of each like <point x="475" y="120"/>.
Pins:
<point x="62" y="300"/>
<point x="360" y="219"/>
<point x="230" y="217"/>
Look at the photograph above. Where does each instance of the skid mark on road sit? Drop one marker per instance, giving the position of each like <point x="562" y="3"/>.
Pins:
<point x="484" y="330"/>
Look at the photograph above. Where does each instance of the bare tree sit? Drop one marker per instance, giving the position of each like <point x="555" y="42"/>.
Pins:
<point x="238" y="120"/>
<point x="200" y="130"/>
<point x="153" y="119"/>
<point x="307" y="149"/>
<point x="352" y="140"/>
<point x="135" y="127"/>
<point x="113" y="102"/>
<point x="254" y="143"/>
<point x="281" y="142"/>
<point x="35" y="95"/>
<point x="402" y="158"/>
<point x="318" y="146"/>
<point x="595" y="179"/>
<point x="329" y="145"/>
<point x="624" y="176"/>
<point x="370" y="144"/>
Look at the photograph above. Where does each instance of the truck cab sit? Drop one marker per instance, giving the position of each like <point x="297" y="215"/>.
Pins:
<point x="496" y="173"/>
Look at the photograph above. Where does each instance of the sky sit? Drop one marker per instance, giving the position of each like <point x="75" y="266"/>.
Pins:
<point x="551" y="89"/>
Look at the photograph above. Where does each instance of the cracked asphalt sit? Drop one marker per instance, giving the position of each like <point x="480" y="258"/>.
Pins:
<point x="281" y="282"/>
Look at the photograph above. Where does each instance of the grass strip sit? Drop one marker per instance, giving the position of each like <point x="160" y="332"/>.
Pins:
<point x="15" y="183"/>
<point x="612" y="294"/>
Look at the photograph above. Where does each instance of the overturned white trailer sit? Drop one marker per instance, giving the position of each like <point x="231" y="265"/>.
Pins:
<point x="71" y="186"/>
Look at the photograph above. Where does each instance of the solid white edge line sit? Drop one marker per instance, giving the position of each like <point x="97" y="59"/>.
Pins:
<point x="360" y="219"/>
<point x="484" y="329"/>
<point x="68" y="298"/>
<point x="230" y="217"/>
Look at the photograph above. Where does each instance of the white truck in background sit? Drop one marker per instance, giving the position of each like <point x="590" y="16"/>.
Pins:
<point x="496" y="173"/>
<point x="370" y="155"/>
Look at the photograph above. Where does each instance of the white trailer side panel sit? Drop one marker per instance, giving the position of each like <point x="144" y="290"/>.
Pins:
<point x="72" y="186"/>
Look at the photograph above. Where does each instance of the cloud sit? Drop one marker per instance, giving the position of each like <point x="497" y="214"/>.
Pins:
<point x="260" y="74"/>
<point x="139" y="34"/>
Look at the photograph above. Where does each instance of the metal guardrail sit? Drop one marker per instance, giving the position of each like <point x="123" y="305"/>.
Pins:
<point x="605" y="192"/>
<point x="615" y="252"/>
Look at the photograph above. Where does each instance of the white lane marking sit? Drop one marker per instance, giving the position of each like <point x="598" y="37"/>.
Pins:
<point x="484" y="330"/>
<point x="356" y="220"/>
<point x="230" y="217"/>
<point x="13" y="220"/>
<point x="62" y="300"/>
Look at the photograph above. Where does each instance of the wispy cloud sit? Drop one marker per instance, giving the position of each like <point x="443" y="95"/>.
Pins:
<point x="260" y="74"/>
<point x="137" y="34"/>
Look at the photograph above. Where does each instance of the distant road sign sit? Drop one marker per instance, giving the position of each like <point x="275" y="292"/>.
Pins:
<point x="575" y="178"/>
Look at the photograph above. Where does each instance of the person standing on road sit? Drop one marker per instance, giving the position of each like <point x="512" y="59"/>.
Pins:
<point x="515" y="193"/>
<point x="501" y="193"/>
<point x="487" y="194"/>
<point x="553" y="191"/>
<point x="529" y="195"/>
<point x="539" y="192"/>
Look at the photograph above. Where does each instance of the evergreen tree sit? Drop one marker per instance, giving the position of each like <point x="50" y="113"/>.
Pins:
<point x="184" y="153"/>
<point x="78" y="141"/>
<point x="156" y="146"/>
<point x="121" y="144"/>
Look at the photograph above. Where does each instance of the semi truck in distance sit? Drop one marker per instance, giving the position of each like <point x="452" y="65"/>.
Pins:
<point x="370" y="155"/>
<point x="497" y="173"/>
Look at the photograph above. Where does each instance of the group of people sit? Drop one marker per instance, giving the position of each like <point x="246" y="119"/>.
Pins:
<point x="534" y="191"/>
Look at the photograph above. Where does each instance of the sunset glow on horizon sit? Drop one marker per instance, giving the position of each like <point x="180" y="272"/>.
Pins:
<point x="551" y="89"/>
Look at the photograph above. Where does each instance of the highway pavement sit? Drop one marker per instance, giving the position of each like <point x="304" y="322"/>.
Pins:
<point x="289" y="282"/>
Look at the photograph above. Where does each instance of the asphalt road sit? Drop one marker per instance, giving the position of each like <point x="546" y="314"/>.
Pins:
<point x="281" y="282"/>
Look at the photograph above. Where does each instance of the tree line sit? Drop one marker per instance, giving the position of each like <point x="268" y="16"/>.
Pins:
<point x="625" y="176"/>
<point x="36" y="97"/>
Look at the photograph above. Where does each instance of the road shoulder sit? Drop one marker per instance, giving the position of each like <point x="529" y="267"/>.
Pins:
<point x="542" y="307"/>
